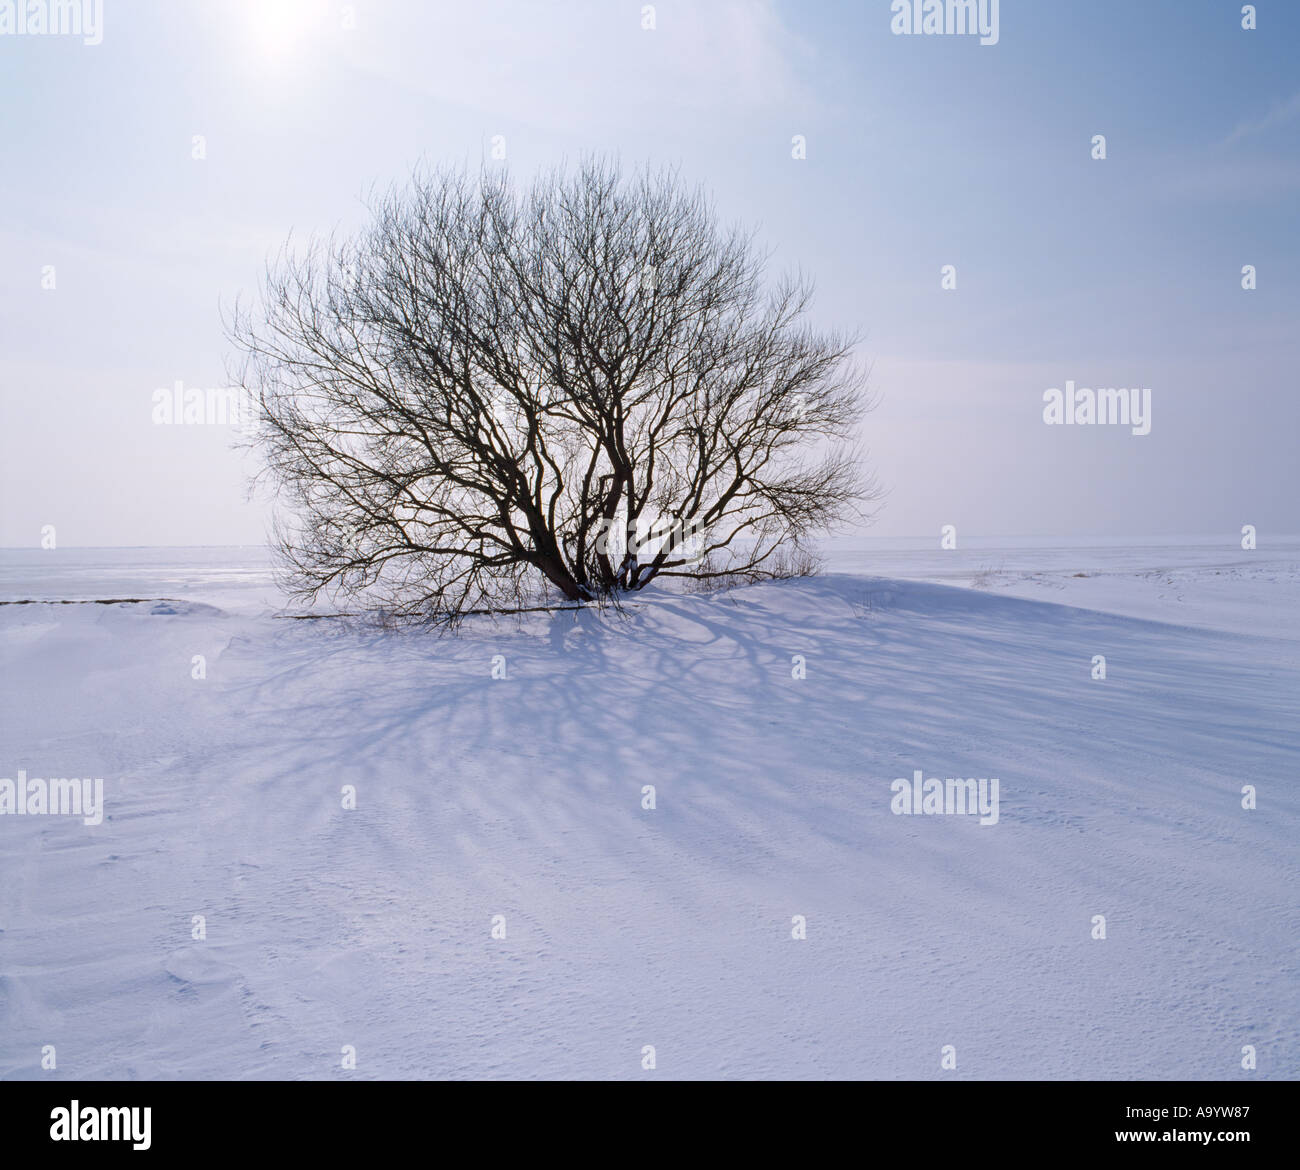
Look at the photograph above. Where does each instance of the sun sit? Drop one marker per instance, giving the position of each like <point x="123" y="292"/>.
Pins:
<point x="279" y="26"/>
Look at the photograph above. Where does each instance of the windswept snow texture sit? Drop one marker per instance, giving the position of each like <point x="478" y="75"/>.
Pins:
<point x="627" y="927"/>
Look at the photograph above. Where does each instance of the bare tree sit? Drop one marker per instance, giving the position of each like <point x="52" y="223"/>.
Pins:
<point x="585" y="384"/>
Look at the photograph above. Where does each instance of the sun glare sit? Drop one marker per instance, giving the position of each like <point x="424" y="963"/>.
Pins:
<point x="279" y="26"/>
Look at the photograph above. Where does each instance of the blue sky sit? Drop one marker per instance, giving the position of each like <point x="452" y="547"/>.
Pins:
<point x="922" y="151"/>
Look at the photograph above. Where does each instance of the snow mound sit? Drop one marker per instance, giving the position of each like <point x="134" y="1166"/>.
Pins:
<point x="540" y="846"/>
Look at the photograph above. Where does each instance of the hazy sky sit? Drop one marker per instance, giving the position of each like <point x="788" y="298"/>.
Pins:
<point x="922" y="151"/>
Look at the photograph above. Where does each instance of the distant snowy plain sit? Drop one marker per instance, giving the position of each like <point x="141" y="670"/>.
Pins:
<point x="627" y="927"/>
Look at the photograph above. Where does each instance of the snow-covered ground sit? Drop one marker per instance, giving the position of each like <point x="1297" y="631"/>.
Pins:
<point x="624" y="927"/>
